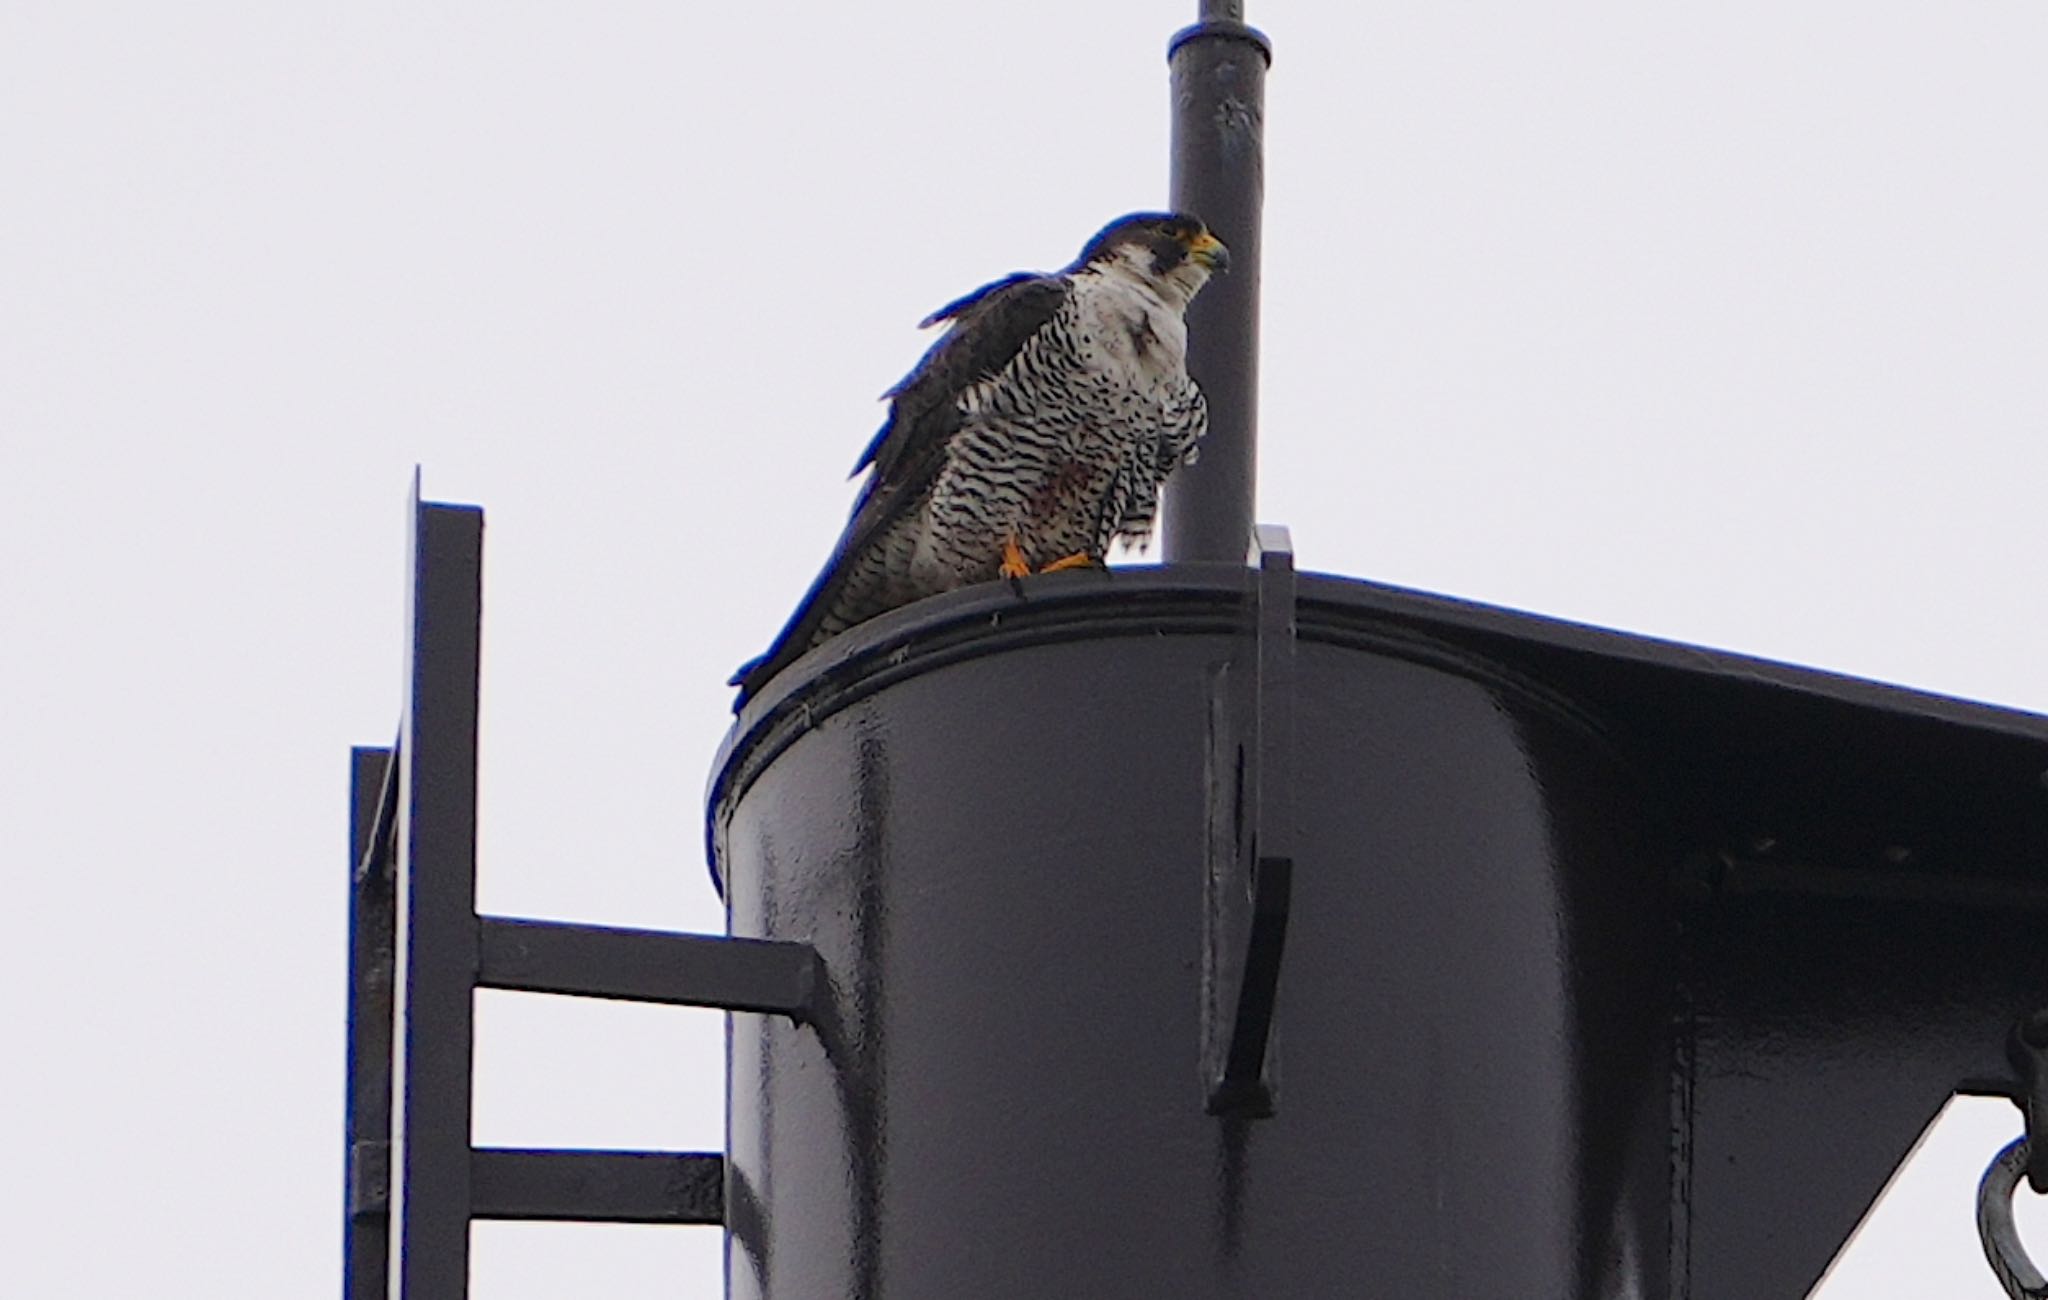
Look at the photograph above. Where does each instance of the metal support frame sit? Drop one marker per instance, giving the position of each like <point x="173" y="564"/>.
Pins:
<point x="418" y="951"/>
<point x="1243" y="1087"/>
<point x="598" y="1186"/>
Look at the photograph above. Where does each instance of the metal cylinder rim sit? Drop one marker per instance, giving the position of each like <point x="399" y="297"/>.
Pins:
<point x="1182" y="599"/>
<point x="1220" y="29"/>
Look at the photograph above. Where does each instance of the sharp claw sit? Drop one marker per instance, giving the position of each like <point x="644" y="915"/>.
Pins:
<point x="1078" y="560"/>
<point x="1014" y="565"/>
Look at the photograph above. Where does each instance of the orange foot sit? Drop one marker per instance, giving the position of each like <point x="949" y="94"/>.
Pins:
<point x="1014" y="564"/>
<point x="1078" y="560"/>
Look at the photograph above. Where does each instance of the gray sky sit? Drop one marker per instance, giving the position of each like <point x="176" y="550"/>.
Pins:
<point x="1725" y="323"/>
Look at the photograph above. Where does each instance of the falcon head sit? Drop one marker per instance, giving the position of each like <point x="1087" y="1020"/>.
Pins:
<point x="1168" y="252"/>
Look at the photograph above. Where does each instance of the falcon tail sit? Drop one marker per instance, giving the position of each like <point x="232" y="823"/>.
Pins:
<point x="797" y="635"/>
<point x="854" y="586"/>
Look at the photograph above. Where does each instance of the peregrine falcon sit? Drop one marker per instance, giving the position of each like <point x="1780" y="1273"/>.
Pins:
<point x="1036" y="430"/>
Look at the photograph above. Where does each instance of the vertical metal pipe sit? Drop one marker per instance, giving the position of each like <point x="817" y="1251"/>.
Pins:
<point x="1219" y="85"/>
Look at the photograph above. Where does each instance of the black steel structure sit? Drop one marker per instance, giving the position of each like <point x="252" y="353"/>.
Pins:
<point x="1612" y="967"/>
<point x="1219" y="94"/>
<point x="418" y="950"/>
<point x="1217" y="930"/>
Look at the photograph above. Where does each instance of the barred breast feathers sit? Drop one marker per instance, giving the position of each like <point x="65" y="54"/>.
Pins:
<point x="1044" y="418"/>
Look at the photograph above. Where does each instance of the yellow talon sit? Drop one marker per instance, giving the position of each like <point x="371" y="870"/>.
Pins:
<point x="1078" y="560"/>
<point x="1014" y="564"/>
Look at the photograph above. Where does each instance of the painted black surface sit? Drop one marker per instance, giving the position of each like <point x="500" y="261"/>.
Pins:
<point x="366" y="1148"/>
<point x="601" y="961"/>
<point x="1218" y="174"/>
<point x="1614" y="967"/>
<point x="1821" y="1033"/>
<point x="1006" y="883"/>
<point x="598" y="1186"/>
<point x="2027" y="1048"/>
<point x="1249" y="881"/>
<point x="418" y="952"/>
<point x="435" y="884"/>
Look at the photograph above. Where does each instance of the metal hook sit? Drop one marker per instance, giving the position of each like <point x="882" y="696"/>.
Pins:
<point x="2028" y="1050"/>
<point x="2003" y="1249"/>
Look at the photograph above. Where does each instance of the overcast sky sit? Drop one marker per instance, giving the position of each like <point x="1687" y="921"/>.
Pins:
<point x="1727" y="323"/>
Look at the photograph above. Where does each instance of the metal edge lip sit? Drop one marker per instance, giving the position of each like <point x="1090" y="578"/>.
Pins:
<point x="1046" y="597"/>
<point x="957" y="625"/>
<point x="1185" y="599"/>
<point x="1229" y="29"/>
<point x="1455" y="618"/>
<point x="1213" y="597"/>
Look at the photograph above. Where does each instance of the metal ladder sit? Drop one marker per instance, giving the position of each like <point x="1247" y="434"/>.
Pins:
<point x="418" y="950"/>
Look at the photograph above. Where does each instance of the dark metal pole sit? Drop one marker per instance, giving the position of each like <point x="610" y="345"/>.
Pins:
<point x="1219" y="84"/>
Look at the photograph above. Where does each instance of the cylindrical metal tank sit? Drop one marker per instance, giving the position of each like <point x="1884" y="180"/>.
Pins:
<point x="997" y="816"/>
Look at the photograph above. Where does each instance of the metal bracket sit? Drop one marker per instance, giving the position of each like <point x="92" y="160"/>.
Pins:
<point x="2028" y="1050"/>
<point x="369" y="1179"/>
<point x="1243" y="1086"/>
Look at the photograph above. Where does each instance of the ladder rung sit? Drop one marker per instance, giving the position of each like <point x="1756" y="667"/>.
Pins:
<point x="595" y="961"/>
<point x="597" y="1186"/>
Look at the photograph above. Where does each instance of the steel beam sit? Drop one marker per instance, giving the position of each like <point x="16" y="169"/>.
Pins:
<point x="598" y="1186"/>
<point x="697" y="970"/>
<point x="366" y="1226"/>
<point x="436" y="895"/>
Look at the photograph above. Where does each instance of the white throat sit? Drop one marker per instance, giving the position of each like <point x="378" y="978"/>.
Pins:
<point x="1132" y="266"/>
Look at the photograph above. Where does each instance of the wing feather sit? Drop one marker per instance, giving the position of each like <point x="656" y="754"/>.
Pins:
<point x="987" y="329"/>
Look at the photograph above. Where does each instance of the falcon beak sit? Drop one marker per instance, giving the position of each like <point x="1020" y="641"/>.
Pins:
<point x="1209" y="252"/>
